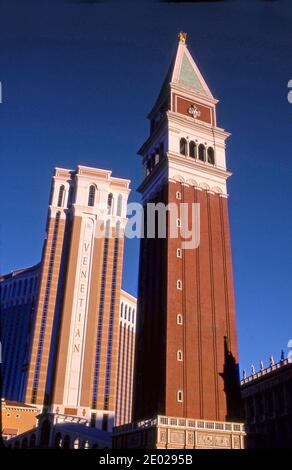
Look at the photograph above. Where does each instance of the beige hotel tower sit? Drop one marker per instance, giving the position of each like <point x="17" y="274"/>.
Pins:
<point x="78" y="358"/>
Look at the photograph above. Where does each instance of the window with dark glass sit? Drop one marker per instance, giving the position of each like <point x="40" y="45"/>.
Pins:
<point x="193" y="150"/>
<point x="183" y="146"/>
<point x="60" y="196"/>
<point x="104" y="425"/>
<point x="109" y="203"/>
<point x="211" y="157"/>
<point x="119" y="205"/>
<point x="91" y="196"/>
<point x="202" y="152"/>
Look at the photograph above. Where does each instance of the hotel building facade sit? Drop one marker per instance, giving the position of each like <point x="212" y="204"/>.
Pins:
<point x="67" y="343"/>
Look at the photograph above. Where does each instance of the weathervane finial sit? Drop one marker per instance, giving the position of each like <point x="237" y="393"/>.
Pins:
<point x="182" y="37"/>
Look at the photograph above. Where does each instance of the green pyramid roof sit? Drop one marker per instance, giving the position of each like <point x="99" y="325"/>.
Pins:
<point x="188" y="76"/>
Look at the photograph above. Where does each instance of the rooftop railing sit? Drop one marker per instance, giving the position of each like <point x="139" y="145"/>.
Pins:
<point x="265" y="371"/>
<point x="180" y="422"/>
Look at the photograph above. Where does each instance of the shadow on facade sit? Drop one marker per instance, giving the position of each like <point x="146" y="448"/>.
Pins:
<point x="231" y="379"/>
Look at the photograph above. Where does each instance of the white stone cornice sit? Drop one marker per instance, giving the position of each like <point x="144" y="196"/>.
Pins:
<point x="189" y="122"/>
<point x="192" y="94"/>
<point x="197" y="165"/>
<point x="185" y="170"/>
<point x="54" y="210"/>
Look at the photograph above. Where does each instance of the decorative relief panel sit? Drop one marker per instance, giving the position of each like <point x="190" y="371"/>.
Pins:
<point x="190" y="438"/>
<point x="222" y="441"/>
<point x="162" y="435"/>
<point x="193" y="109"/>
<point x="213" y="440"/>
<point x="177" y="437"/>
<point x="236" y="442"/>
<point x="206" y="440"/>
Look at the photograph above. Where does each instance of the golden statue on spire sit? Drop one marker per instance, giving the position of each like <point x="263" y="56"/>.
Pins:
<point x="182" y="37"/>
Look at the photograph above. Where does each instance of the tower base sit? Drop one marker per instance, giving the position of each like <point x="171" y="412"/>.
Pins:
<point x="164" y="432"/>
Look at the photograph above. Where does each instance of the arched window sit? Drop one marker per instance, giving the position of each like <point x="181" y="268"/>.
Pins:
<point x="178" y="195"/>
<point x="179" y="284"/>
<point x="179" y="319"/>
<point x="126" y="310"/>
<point x="91" y="195"/>
<point x="58" y="440"/>
<point x="193" y="149"/>
<point x="86" y="445"/>
<point x="109" y="203"/>
<point x="156" y="157"/>
<point x="129" y="314"/>
<point x="122" y="309"/>
<point x="61" y="195"/>
<point x="76" y="443"/>
<point x="202" y="152"/>
<point x="119" y="205"/>
<point x="179" y="355"/>
<point x="108" y="229"/>
<point x="210" y="154"/>
<point x="66" y="442"/>
<point x="183" y="146"/>
<point x="118" y="230"/>
<point x="180" y="395"/>
<point x="148" y="167"/>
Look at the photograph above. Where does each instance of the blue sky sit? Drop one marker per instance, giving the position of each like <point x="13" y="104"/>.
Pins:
<point x="78" y="81"/>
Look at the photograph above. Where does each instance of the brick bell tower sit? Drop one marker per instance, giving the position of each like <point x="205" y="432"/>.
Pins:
<point x="186" y="383"/>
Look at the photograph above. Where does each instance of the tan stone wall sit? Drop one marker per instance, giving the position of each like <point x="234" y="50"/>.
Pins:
<point x="18" y="418"/>
<point x="40" y="392"/>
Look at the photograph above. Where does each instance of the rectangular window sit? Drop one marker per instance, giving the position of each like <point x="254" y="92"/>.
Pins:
<point x="104" y="424"/>
<point x="179" y="396"/>
<point x="92" y="420"/>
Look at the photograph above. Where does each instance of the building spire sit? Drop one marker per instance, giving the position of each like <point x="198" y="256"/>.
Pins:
<point x="182" y="37"/>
